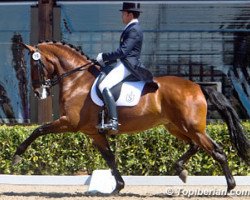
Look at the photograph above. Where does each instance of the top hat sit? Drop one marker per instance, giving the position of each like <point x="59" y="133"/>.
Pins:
<point x="132" y="7"/>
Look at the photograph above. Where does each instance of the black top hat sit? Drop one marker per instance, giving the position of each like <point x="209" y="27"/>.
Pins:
<point x="132" y="7"/>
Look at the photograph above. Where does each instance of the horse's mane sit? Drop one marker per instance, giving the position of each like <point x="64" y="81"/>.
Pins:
<point x="93" y="70"/>
<point x="78" y="49"/>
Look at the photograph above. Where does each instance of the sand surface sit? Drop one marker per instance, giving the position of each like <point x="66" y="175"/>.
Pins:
<point x="41" y="192"/>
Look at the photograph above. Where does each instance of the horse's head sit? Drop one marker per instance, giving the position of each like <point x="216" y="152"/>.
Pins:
<point x="42" y="70"/>
<point x="53" y="61"/>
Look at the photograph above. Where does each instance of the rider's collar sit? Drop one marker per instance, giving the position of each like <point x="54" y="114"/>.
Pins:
<point x="131" y="22"/>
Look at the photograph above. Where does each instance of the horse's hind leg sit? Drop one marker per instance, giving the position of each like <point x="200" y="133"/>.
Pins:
<point x="217" y="153"/>
<point x="179" y="164"/>
<point x="181" y="172"/>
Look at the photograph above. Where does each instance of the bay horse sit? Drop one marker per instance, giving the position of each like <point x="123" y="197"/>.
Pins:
<point x="178" y="104"/>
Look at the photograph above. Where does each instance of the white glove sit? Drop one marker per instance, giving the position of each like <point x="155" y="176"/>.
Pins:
<point x="100" y="60"/>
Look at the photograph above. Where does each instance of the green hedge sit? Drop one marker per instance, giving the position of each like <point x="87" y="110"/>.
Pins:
<point x="151" y="152"/>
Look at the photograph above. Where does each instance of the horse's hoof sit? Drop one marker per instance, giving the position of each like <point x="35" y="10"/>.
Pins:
<point x="115" y="192"/>
<point x="16" y="159"/>
<point x="183" y="175"/>
<point x="231" y="186"/>
<point x="118" y="188"/>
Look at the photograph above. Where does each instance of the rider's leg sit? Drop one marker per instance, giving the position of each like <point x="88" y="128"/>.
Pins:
<point x="111" y="107"/>
<point x="115" y="76"/>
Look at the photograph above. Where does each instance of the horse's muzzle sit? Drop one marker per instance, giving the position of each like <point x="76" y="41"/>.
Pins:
<point x="42" y="92"/>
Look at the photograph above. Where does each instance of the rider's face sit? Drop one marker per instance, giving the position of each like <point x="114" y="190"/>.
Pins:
<point x="126" y="17"/>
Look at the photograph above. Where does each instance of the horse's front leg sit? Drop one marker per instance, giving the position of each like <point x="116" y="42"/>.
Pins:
<point x="58" y="126"/>
<point x="100" y="141"/>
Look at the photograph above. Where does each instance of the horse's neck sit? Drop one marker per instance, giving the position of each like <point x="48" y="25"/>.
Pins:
<point x="66" y="57"/>
<point x="68" y="61"/>
<point x="82" y="78"/>
<point x="80" y="81"/>
<point x="69" y="64"/>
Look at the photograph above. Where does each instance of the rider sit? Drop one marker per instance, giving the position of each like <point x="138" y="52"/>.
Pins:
<point x="127" y="58"/>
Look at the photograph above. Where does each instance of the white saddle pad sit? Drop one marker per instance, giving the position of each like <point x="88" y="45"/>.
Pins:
<point x="129" y="96"/>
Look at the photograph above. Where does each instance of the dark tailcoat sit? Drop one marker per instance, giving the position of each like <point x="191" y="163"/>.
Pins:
<point x="129" y="52"/>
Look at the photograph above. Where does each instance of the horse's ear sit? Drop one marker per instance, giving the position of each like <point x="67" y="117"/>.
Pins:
<point x="28" y="47"/>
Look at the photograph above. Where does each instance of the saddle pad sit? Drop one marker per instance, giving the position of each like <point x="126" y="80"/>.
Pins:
<point x="129" y="96"/>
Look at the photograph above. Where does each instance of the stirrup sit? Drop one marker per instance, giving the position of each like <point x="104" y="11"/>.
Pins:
<point x="112" y="125"/>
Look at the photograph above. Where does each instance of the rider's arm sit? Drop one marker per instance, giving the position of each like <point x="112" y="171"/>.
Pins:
<point x="125" y="48"/>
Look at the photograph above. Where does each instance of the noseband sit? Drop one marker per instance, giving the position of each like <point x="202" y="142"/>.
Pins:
<point x="48" y="83"/>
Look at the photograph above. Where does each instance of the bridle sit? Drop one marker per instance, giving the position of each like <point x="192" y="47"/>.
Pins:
<point x="48" y="83"/>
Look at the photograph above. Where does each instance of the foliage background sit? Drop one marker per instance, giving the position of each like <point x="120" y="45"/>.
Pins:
<point x="152" y="152"/>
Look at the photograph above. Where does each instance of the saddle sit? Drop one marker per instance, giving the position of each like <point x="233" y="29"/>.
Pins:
<point x="126" y="93"/>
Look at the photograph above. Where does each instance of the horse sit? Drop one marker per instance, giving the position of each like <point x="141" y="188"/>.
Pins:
<point x="178" y="104"/>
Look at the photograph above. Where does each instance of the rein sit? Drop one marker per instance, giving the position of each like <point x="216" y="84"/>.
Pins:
<point x="55" y="80"/>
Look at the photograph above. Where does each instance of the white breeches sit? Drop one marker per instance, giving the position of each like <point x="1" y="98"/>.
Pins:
<point x="115" y="76"/>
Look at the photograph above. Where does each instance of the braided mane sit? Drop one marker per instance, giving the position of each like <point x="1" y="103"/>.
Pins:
<point x="75" y="48"/>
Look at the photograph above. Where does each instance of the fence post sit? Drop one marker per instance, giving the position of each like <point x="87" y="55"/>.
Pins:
<point x="45" y="19"/>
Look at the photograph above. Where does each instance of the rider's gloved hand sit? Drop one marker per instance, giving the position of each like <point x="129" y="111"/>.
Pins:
<point x="99" y="59"/>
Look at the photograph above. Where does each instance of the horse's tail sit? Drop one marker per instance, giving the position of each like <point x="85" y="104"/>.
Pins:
<point x="237" y="135"/>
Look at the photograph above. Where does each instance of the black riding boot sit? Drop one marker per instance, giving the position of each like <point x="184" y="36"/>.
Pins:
<point x="112" y="111"/>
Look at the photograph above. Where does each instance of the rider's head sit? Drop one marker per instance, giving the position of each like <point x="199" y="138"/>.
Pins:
<point x="130" y="11"/>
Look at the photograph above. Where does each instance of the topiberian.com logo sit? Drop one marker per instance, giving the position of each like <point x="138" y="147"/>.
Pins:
<point x="203" y="192"/>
